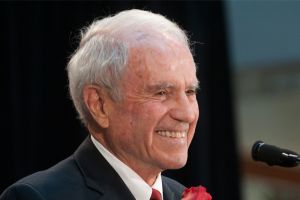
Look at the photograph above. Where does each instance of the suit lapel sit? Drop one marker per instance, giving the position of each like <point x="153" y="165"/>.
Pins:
<point x="167" y="192"/>
<point x="172" y="190"/>
<point x="98" y="173"/>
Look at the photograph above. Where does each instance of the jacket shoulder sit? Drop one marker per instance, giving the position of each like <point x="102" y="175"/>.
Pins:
<point x="60" y="179"/>
<point x="21" y="191"/>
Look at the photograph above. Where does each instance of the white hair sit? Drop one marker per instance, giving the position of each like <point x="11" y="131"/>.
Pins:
<point x="103" y="52"/>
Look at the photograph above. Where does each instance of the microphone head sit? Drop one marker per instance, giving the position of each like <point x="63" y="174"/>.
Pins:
<point x="255" y="149"/>
<point x="273" y="155"/>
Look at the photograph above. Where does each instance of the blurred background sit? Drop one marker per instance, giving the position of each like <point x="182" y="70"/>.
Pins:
<point x="248" y="54"/>
<point x="264" y="45"/>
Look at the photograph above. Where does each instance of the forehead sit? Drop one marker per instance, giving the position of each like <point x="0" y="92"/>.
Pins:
<point x="160" y="60"/>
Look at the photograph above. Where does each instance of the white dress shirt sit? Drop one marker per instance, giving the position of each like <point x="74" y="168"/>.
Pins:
<point x="137" y="186"/>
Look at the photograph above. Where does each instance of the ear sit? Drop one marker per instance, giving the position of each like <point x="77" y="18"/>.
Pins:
<point x="95" y="99"/>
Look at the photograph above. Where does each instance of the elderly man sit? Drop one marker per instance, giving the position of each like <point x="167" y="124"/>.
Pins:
<point x="133" y="82"/>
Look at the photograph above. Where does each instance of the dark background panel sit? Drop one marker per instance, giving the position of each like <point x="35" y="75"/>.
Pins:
<point x="39" y="125"/>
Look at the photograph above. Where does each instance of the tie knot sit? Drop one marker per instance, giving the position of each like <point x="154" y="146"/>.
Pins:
<point x="155" y="195"/>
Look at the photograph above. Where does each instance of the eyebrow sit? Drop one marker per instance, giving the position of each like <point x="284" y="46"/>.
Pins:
<point x="166" y="85"/>
<point x="195" y="85"/>
<point x="159" y="86"/>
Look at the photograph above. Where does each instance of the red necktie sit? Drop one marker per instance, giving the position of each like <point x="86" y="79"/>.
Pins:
<point x="155" y="195"/>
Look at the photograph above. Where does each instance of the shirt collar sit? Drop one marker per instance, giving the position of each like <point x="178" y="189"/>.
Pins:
<point x="137" y="186"/>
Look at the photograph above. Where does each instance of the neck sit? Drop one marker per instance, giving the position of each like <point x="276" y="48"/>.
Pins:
<point x="147" y="172"/>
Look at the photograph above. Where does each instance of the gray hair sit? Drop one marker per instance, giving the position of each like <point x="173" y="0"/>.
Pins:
<point x="104" y="48"/>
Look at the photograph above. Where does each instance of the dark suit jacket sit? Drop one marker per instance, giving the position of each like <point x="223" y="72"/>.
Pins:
<point x="85" y="175"/>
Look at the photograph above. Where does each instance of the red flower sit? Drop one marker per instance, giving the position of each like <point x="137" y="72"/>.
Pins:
<point x="196" y="193"/>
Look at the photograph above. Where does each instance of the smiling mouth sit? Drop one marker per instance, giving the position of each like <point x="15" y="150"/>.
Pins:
<point x="172" y="134"/>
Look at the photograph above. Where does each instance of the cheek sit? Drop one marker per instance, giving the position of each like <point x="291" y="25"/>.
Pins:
<point x="196" y="108"/>
<point x="146" y="118"/>
<point x="149" y="111"/>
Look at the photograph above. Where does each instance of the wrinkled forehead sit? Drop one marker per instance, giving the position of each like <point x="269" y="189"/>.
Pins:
<point x="154" y="56"/>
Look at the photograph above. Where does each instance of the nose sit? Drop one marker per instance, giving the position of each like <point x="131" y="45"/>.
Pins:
<point x="184" y="109"/>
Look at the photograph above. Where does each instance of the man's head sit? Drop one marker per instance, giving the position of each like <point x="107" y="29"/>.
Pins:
<point x="133" y="82"/>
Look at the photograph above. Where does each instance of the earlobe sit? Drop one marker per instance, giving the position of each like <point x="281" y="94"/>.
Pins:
<point x="94" y="100"/>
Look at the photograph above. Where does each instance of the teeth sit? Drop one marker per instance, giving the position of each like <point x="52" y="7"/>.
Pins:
<point x="173" y="134"/>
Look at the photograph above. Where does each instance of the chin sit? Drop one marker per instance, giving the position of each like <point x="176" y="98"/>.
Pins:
<point x="176" y="162"/>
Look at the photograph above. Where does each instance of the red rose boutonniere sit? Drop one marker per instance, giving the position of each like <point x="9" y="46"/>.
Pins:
<point x="196" y="193"/>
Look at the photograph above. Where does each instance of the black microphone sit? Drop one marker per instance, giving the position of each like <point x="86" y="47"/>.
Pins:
<point x="273" y="155"/>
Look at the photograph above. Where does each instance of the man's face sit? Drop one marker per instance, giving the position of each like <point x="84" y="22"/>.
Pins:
<point x="152" y="127"/>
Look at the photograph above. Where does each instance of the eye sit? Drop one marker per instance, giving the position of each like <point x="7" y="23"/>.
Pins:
<point x="191" y="92"/>
<point x="161" y="93"/>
